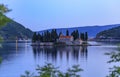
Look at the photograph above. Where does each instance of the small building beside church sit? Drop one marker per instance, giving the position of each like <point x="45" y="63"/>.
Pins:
<point x="78" y="42"/>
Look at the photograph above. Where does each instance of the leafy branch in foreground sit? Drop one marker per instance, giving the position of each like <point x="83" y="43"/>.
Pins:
<point x="27" y="74"/>
<point x="115" y="58"/>
<point x="0" y="60"/>
<point x="1" y="39"/>
<point x="4" y="9"/>
<point x="3" y="19"/>
<point x="50" y="71"/>
<point x="114" y="72"/>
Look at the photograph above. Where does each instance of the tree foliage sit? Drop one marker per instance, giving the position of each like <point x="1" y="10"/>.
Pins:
<point x="115" y="70"/>
<point x="82" y="36"/>
<point x="86" y="36"/>
<point x="67" y="33"/>
<point x="3" y="18"/>
<point x="0" y="60"/>
<point x="75" y="34"/>
<point x="51" y="71"/>
<point x="52" y="36"/>
<point x="46" y="36"/>
<point x="110" y="33"/>
<point x="34" y="38"/>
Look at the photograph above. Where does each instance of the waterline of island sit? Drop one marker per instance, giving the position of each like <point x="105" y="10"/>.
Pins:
<point x="59" y="44"/>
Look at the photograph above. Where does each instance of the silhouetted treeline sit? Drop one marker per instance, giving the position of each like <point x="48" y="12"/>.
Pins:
<point x="46" y="36"/>
<point x="77" y="35"/>
<point x="52" y="36"/>
<point x="84" y="36"/>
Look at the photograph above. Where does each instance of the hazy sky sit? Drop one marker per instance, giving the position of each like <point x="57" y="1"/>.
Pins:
<point x="46" y="14"/>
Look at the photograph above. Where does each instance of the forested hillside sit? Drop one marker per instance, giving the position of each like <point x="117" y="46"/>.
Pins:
<point x="113" y="33"/>
<point x="14" y="30"/>
<point x="92" y="30"/>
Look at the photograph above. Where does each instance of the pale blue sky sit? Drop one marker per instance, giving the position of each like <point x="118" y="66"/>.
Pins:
<point x="45" y="14"/>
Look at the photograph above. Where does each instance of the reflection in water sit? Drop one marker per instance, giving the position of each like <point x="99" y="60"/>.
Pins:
<point x="84" y="51"/>
<point x="60" y="53"/>
<point x="26" y="46"/>
<point x="16" y="47"/>
<point x="64" y="57"/>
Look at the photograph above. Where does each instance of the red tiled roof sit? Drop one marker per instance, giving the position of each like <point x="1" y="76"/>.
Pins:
<point x="65" y="36"/>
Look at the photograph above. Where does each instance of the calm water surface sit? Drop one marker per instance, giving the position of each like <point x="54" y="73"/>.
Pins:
<point x="17" y="58"/>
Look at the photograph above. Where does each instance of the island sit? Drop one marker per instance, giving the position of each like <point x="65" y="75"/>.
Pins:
<point x="48" y="38"/>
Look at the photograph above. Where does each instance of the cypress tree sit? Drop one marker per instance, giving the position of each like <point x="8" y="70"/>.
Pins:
<point x="47" y="36"/>
<point x="86" y="36"/>
<point x="77" y="34"/>
<point x="42" y="37"/>
<point x="39" y="37"/>
<point x="60" y="34"/>
<point x="56" y="35"/>
<point x="82" y="36"/>
<point x="73" y="34"/>
<point x="52" y="35"/>
<point x="67" y="33"/>
<point x="34" y="38"/>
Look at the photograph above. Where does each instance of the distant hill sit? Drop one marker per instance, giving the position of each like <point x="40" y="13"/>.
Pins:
<point x="92" y="30"/>
<point x="113" y="32"/>
<point x="13" y="30"/>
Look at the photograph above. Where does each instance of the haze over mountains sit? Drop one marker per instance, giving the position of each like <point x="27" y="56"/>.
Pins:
<point x="92" y="30"/>
<point x="14" y="29"/>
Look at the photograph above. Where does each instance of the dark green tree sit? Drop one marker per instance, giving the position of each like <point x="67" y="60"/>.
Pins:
<point x="67" y="33"/>
<point x="54" y="35"/>
<point x="76" y="34"/>
<point x="60" y="34"/>
<point x="46" y="36"/>
<point x="3" y="19"/>
<point x="42" y="37"/>
<point x="49" y="70"/>
<point x="34" y="38"/>
<point x="39" y="37"/>
<point x="86" y="36"/>
<point x="82" y="36"/>
<point x="114" y="58"/>
<point x="73" y="34"/>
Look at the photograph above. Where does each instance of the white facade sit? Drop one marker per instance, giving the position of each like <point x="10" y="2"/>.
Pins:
<point x="69" y="40"/>
<point x="78" y="42"/>
<point x="66" y="39"/>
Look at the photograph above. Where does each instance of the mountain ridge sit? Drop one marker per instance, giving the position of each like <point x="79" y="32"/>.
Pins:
<point x="92" y="30"/>
<point x="110" y="33"/>
<point x="14" y="30"/>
